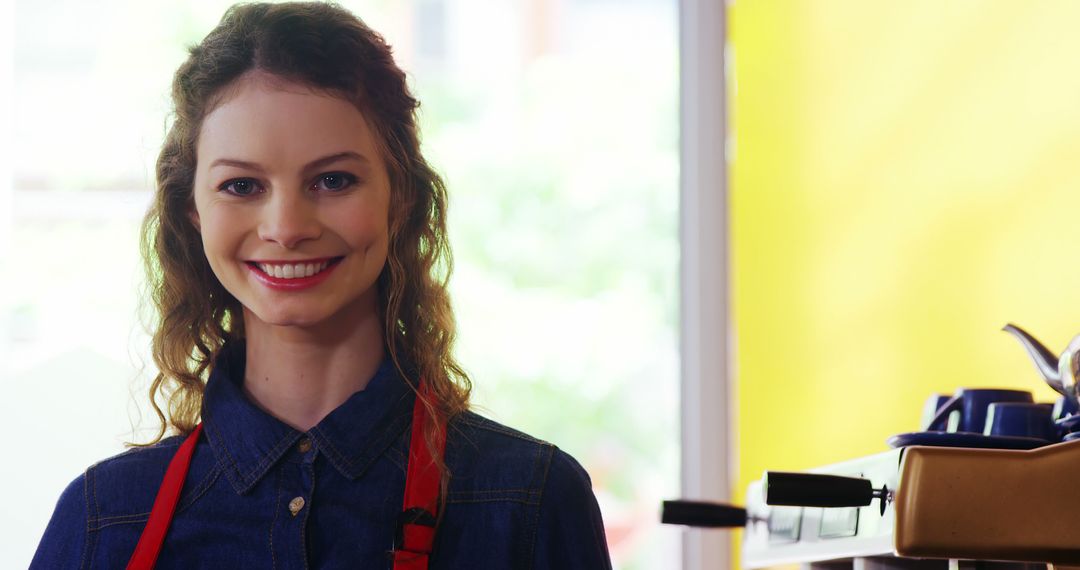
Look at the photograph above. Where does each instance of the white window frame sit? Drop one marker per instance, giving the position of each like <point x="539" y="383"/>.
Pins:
<point x="706" y="346"/>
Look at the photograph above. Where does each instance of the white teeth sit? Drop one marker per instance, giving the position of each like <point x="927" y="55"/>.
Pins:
<point x="293" y="271"/>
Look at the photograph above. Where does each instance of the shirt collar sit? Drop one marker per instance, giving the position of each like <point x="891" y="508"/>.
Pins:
<point x="248" y="441"/>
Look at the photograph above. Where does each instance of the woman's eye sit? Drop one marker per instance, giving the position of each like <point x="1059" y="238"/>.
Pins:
<point x="239" y="187"/>
<point x="336" y="181"/>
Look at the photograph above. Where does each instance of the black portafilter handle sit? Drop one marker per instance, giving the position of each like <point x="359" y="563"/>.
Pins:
<point x="818" y="490"/>
<point x="700" y="513"/>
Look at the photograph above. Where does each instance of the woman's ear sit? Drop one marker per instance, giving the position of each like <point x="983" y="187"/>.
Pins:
<point x="193" y="215"/>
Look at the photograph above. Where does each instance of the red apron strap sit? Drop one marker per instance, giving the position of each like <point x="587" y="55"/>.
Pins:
<point x="153" y="536"/>
<point x="421" y="505"/>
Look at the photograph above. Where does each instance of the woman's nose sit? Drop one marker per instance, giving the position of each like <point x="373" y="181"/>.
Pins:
<point x="288" y="219"/>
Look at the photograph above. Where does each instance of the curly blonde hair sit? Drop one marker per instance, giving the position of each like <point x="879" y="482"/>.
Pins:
<point x="328" y="49"/>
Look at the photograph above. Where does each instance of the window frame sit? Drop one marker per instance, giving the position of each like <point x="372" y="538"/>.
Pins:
<point x="706" y="337"/>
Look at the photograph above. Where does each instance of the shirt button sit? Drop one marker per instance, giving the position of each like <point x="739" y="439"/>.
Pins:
<point x="304" y="445"/>
<point x="295" y="505"/>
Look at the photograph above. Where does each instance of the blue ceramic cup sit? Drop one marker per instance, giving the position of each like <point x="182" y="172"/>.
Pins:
<point x="966" y="410"/>
<point x="1021" y="419"/>
<point x="930" y="409"/>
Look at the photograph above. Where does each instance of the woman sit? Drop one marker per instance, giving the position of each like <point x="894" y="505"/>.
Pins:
<point x="297" y="256"/>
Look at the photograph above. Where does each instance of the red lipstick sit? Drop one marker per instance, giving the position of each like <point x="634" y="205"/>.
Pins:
<point x="295" y="284"/>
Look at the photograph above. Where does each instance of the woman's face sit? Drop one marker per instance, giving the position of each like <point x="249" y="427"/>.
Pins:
<point x="287" y="181"/>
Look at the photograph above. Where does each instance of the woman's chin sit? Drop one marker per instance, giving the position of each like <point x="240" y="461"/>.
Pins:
<point x="324" y="313"/>
<point x="278" y="317"/>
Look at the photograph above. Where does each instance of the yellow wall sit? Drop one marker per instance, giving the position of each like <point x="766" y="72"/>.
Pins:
<point x="905" y="181"/>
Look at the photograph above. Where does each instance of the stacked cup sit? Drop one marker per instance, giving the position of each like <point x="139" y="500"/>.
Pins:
<point x="992" y="412"/>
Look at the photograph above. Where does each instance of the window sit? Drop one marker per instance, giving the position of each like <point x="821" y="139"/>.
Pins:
<point x="555" y="124"/>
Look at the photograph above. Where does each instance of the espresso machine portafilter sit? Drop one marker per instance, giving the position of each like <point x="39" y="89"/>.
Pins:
<point x="779" y="488"/>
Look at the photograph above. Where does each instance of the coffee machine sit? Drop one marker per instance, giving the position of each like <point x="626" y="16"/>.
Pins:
<point x="988" y="481"/>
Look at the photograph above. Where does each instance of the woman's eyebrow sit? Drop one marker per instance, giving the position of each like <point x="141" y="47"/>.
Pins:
<point x="318" y="162"/>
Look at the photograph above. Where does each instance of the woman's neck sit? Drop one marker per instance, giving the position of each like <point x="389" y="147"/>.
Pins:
<point x="300" y="375"/>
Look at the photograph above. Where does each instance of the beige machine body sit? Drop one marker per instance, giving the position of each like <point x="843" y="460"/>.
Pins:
<point x="949" y="507"/>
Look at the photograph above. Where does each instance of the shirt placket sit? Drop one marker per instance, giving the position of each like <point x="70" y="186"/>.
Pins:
<point x="293" y="506"/>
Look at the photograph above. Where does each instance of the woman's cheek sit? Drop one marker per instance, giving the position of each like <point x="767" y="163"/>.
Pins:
<point x="363" y="227"/>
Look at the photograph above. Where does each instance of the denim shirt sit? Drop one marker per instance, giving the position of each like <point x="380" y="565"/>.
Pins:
<point x="260" y="494"/>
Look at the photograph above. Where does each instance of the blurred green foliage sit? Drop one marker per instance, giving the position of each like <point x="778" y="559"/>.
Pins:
<point x="564" y="200"/>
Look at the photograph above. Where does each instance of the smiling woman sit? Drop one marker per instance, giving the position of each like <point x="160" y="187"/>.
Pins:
<point x="297" y="255"/>
<point x="273" y="209"/>
<point x="305" y="193"/>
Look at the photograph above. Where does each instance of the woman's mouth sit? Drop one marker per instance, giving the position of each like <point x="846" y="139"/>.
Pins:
<point x="294" y="270"/>
<point x="302" y="271"/>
